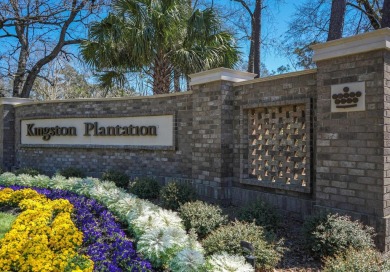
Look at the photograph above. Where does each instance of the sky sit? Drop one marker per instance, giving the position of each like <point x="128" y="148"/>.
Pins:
<point x="272" y="59"/>
<point x="282" y="12"/>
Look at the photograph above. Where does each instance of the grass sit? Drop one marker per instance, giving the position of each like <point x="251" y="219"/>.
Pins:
<point x="6" y="221"/>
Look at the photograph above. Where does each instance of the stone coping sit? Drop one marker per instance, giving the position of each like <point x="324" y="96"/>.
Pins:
<point x="14" y="100"/>
<point x="220" y="74"/>
<point x="276" y="77"/>
<point x="370" y="41"/>
<point x="30" y="102"/>
<point x="90" y="146"/>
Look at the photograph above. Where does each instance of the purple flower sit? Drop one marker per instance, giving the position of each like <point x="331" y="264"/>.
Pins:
<point x="104" y="240"/>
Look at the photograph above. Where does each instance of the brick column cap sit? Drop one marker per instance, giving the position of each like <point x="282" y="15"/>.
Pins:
<point x="370" y="41"/>
<point x="220" y="74"/>
<point x="14" y="100"/>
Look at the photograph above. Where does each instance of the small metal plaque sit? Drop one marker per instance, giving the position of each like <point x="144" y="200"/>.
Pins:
<point x="348" y="97"/>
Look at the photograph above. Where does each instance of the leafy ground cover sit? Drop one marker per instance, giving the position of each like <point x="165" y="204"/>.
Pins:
<point x="6" y="221"/>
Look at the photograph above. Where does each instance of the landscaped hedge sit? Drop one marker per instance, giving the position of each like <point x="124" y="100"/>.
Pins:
<point x="145" y="188"/>
<point x="331" y="234"/>
<point x="203" y="218"/>
<point x="365" y="260"/>
<point x="261" y="213"/>
<point x="119" y="178"/>
<point x="175" y="194"/>
<point x="267" y="250"/>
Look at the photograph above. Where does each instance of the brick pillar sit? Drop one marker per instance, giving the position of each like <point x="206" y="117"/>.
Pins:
<point x="353" y="147"/>
<point x="7" y="128"/>
<point x="212" y="150"/>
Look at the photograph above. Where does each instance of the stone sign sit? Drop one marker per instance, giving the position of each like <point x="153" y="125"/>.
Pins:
<point x="123" y="131"/>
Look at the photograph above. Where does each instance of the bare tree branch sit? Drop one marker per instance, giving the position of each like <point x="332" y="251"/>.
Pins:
<point x="371" y="14"/>
<point x="47" y="79"/>
<point x="35" y="32"/>
<point x="245" y="5"/>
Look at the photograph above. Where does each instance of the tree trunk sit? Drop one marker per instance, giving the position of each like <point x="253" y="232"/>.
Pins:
<point x="29" y="82"/>
<point x="250" y="57"/>
<point x="176" y="81"/>
<point x="23" y="56"/>
<point x="385" y="14"/>
<point x="256" y="29"/>
<point x="20" y="73"/>
<point x="161" y="75"/>
<point x="188" y="83"/>
<point x="371" y="14"/>
<point x="33" y="74"/>
<point x="336" y="19"/>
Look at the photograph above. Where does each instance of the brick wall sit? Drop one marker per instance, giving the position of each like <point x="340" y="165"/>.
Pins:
<point x="295" y="89"/>
<point x="350" y="154"/>
<point x="212" y="138"/>
<point x="94" y="161"/>
<point x="7" y="137"/>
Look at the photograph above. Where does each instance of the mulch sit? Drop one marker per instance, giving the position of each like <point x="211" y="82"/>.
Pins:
<point x="295" y="258"/>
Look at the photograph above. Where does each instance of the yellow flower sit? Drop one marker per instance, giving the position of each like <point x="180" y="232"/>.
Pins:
<point x="43" y="237"/>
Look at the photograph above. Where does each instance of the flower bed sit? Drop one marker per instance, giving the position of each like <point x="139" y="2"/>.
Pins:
<point x="43" y="237"/>
<point x="103" y="239"/>
<point x="160" y="234"/>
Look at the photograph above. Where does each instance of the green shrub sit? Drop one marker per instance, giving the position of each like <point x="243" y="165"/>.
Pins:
<point x="28" y="171"/>
<point x="366" y="260"/>
<point x="261" y="213"/>
<point x="327" y="235"/>
<point x="201" y="217"/>
<point x="119" y="178"/>
<point x="227" y="238"/>
<point x="145" y="188"/>
<point x="72" y="172"/>
<point x="174" y="194"/>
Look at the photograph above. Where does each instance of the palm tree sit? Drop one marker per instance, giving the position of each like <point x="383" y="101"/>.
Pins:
<point x="164" y="39"/>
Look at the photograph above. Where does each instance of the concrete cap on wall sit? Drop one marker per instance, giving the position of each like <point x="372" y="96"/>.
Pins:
<point x="366" y="42"/>
<point x="14" y="100"/>
<point x="220" y="74"/>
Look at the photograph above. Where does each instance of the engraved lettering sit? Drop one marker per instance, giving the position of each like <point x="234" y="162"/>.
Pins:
<point x="153" y="130"/>
<point x="144" y="131"/>
<point x="48" y="132"/>
<point x="29" y="130"/>
<point x="88" y="128"/>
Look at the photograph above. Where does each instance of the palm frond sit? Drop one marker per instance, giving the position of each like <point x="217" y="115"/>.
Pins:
<point x="110" y="79"/>
<point x="139" y="32"/>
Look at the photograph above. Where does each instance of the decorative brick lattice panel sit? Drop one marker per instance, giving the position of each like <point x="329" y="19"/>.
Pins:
<point x="279" y="149"/>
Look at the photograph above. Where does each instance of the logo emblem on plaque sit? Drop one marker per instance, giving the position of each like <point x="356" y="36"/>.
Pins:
<point x="348" y="97"/>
